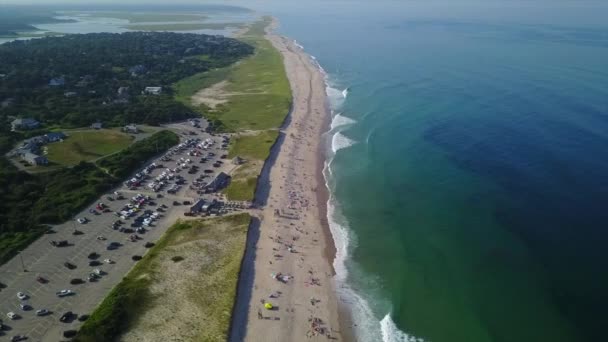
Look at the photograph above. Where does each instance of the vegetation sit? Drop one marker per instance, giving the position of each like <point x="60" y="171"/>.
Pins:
<point x="87" y="91"/>
<point x="87" y="145"/>
<point x="253" y="146"/>
<point x="210" y="288"/>
<point x="27" y="201"/>
<point x="261" y="95"/>
<point x="123" y="163"/>
<point x="182" y="26"/>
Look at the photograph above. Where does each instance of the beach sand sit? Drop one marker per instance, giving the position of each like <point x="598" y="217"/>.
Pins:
<point x="290" y="249"/>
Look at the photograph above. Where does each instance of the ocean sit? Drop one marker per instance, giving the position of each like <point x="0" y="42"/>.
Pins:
<point x="467" y="165"/>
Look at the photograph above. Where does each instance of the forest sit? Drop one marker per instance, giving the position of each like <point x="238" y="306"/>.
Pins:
<point x="74" y="80"/>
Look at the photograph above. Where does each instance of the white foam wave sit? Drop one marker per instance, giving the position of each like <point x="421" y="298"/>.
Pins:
<point x="336" y="96"/>
<point x="345" y="92"/>
<point x="390" y="332"/>
<point x="340" y="120"/>
<point x="339" y="141"/>
<point x="295" y="42"/>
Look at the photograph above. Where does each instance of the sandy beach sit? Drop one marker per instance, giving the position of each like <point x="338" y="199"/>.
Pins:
<point x="290" y="251"/>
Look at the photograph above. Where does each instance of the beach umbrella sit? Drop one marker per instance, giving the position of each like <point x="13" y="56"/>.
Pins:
<point x="268" y="306"/>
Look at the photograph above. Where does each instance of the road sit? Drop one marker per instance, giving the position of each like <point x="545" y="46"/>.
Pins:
<point x="42" y="259"/>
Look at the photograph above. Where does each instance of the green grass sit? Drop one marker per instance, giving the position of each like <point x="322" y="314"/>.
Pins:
<point x="220" y="240"/>
<point x="148" y="17"/>
<point x="182" y="26"/>
<point x="255" y="148"/>
<point x="87" y="145"/>
<point x="263" y="95"/>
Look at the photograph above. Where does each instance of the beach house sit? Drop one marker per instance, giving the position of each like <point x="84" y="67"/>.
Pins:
<point x="153" y="90"/>
<point x="34" y="159"/>
<point x="24" y="124"/>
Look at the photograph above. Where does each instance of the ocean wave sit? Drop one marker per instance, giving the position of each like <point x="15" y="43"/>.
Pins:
<point x="336" y="96"/>
<point x="339" y="141"/>
<point x="390" y="332"/>
<point x="295" y="42"/>
<point x="340" y="120"/>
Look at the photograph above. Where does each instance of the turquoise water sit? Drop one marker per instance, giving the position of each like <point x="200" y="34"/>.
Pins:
<point x="468" y="165"/>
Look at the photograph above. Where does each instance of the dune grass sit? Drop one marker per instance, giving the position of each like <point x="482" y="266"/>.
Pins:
<point x="254" y="148"/>
<point x="87" y="145"/>
<point x="258" y="90"/>
<point x="220" y="241"/>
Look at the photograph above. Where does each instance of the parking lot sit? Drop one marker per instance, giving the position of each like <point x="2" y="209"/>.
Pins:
<point x="41" y="259"/>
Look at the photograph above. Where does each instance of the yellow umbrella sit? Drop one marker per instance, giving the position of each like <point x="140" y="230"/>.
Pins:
<point x="268" y="306"/>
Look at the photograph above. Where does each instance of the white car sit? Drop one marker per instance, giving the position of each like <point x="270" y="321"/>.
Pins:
<point x="12" y="315"/>
<point x="22" y="295"/>
<point x="64" y="293"/>
<point x="42" y="312"/>
<point x="82" y="220"/>
<point x="108" y="261"/>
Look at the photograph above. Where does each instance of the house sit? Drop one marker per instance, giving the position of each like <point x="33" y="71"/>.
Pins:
<point x="123" y="92"/>
<point x="34" y="159"/>
<point x="97" y="125"/>
<point x="137" y="70"/>
<point x="219" y="182"/>
<point x="198" y="206"/>
<point x="132" y="128"/>
<point x="24" y="124"/>
<point x="57" y="81"/>
<point x="55" y="136"/>
<point x="153" y="90"/>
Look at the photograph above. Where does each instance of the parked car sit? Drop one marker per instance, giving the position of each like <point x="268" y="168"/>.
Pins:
<point x="18" y="338"/>
<point x="94" y="263"/>
<point x="76" y="281"/>
<point x="25" y="307"/>
<point x="66" y="316"/>
<point x="22" y="296"/>
<point x="136" y="257"/>
<point x="101" y="238"/>
<point x="187" y="203"/>
<point x="42" y="312"/>
<point x="77" y="232"/>
<point x="12" y="315"/>
<point x="69" y="265"/>
<point x="82" y="220"/>
<point x="61" y="243"/>
<point x="93" y="255"/>
<point x="69" y="333"/>
<point x="83" y="318"/>
<point x="64" y="293"/>
<point x="108" y="261"/>
<point x="149" y="244"/>
<point x="41" y="280"/>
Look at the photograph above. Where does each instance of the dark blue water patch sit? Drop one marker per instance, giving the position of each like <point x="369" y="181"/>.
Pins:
<point x="555" y="190"/>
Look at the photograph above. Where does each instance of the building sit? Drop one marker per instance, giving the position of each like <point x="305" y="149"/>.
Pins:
<point x="153" y="90"/>
<point x="198" y="206"/>
<point x="55" y="136"/>
<point x="57" y="81"/>
<point x="97" y="125"/>
<point x="219" y="182"/>
<point x="34" y="159"/>
<point x="24" y="124"/>
<point x="132" y="128"/>
<point x="137" y="70"/>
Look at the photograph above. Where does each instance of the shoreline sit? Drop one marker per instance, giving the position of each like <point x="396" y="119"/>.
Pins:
<point x="289" y="262"/>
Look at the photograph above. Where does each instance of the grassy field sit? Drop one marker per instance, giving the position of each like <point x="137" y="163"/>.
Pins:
<point x="258" y="89"/>
<point x="87" y="145"/>
<point x="254" y="148"/>
<point x="191" y="274"/>
<point x="148" y="17"/>
<point x="182" y="26"/>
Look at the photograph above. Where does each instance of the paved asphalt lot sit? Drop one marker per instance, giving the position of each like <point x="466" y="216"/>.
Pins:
<point x="42" y="259"/>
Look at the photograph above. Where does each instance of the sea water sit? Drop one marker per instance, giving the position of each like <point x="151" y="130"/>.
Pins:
<point x="467" y="165"/>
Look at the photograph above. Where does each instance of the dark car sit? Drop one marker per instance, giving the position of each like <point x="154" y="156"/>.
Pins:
<point x="83" y="318"/>
<point x="76" y="281"/>
<point x="66" y="317"/>
<point x="69" y="265"/>
<point x="77" y="232"/>
<point x="93" y="255"/>
<point x="136" y="257"/>
<point x="208" y="171"/>
<point x="176" y="203"/>
<point x="41" y="280"/>
<point x="94" y="263"/>
<point x="187" y="202"/>
<point x="149" y="244"/>
<point x="69" y="333"/>
<point x="18" y="338"/>
<point x="113" y="245"/>
<point x="61" y="243"/>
